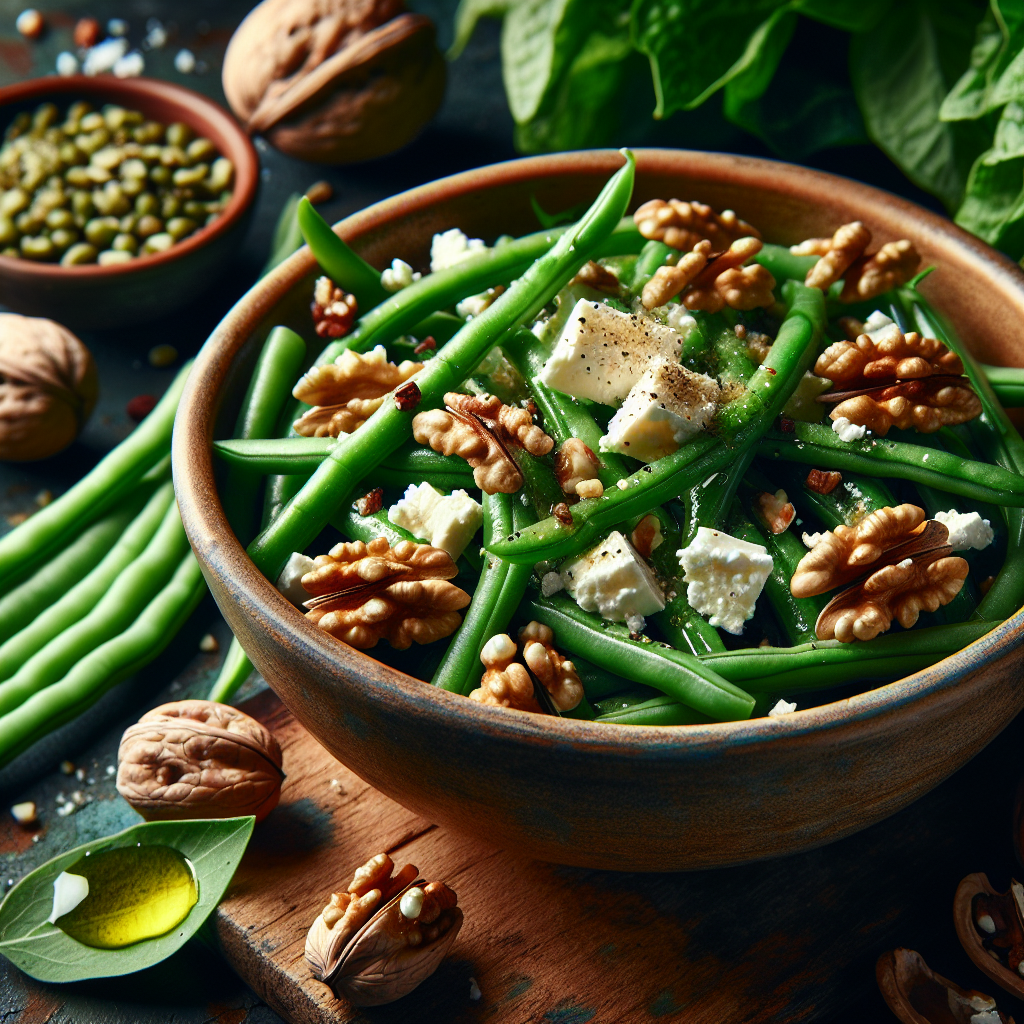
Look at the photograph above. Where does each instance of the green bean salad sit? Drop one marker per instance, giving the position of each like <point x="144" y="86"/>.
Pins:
<point x="104" y="186"/>
<point x="640" y="470"/>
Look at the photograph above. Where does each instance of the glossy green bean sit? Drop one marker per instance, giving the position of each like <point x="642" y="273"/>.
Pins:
<point x="653" y="255"/>
<point x="1007" y="383"/>
<point x="782" y="264"/>
<point x="656" y="711"/>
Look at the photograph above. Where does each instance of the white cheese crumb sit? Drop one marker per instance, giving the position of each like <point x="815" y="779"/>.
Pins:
<point x="603" y="352"/>
<point x="679" y="318"/>
<point x="474" y="305"/>
<point x="811" y="539"/>
<point x="184" y="62"/>
<point x="398" y="276"/>
<point x="443" y="521"/>
<point x="848" y="431"/>
<point x="103" y="56"/>
<point x="67" y="64"/>
<point x="474" y="990"/>
<point x="68" y="891"/>
<point x="636" y="623"/>
<point x="724" y="577"/>
<point x="614" y="581"/>
<point x="551" y="583"/>
<point x="966" y="529"/>
<point x="782" y="708"/>
<point x="450" y="247"/>
<point x="876" y="322"/>
<point x="290" y="580"/>
<point x="667" y="406"/>
<point x="622" y="484"/>
<point x="131" y="65"/>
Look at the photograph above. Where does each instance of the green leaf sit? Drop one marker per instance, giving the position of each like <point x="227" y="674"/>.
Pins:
<point x="848" y="15"/>
<point x="897" y="75"/>
<point x="43" y="951"/>
<point x="753" y="72"/>
<point x="993" y="207"/>
<point x="1008" y="143"/>
<point x="469" y="12"/>
<point x="695" y="47"/>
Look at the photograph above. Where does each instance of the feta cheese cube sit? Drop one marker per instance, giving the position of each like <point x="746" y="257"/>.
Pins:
<point x="290" y="580"/>
<point x="665" y="408"/>
<point x="450" y="247"/>
<point x="443" y="521"/>
<point x="847" y="430"/>
<point x="966" y="529"/>
<point x="877" y="323"/>
<point x="724" y="577"/>
<point x="614" y="581"/>
<point x="783" y="707"/>
<point x="603" y="352"/>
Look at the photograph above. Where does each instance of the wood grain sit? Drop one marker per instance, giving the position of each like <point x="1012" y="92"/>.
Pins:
<point x="792" y="939"/>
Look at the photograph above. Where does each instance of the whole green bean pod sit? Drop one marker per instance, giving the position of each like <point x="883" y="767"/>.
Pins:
<point x="784" y="265"/>
<point x="287" y="237"/>
<point x="740" y="424"/>
<point x="115" y="611"/>
<point x="656" y="711"/>
<point x="81" y="599"/>
<point x="679" y="675"/>
<point x="822" y="664"/>
<point x="356" y="455"/>
<point x="100" y="489"/>
<point x="814" y="444"/>
<point x="106" y="665"/>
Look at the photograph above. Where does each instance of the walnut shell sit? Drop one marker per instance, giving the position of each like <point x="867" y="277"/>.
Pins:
<point x="334" y="81"/>
<point x="199" y="759"/>
<point x="48" y="387"/>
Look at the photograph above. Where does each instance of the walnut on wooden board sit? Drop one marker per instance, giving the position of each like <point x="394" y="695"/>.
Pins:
<point x="481" y="429"/>
<point x="889" y="355"/>
<point x="199" y="759"/>
<point x="346" y="393"/>
<point x="925" y="405"/>
<point x="682" y="225"/>
<point x="377" y="941"/>
<point x="363" y="593"/>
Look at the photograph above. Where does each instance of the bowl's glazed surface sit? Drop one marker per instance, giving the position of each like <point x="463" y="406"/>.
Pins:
<point x="627" y="798"/>
<point x="91" y="296"/>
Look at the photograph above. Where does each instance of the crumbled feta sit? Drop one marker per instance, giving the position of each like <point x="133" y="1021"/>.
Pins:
<point x="450" y="247"/>
<point x="614" y="581"/>
<point x="782" y="708"/>
<point x="398" y="276"/>
<point x="724" y="577"/>
<point x="131" y="65"/>
<point x="664" y="409"/>
<point x="290" y="580"/>
<point x="551" y="583"/>
<point x="444" y="521"/>
<point x="636" y="623"/>
<point x="474" y="305"/>
<point x="848" y="431"/>
<point x="680" y="319"/>
<point x="603" y="352"/>
<point x="103" y="56"/>
<point x="803" y="404"/>
<point x="812" y="539"/>
<point x="966" y="529"/>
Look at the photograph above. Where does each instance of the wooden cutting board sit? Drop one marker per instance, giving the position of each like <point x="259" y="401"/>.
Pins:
<point x="786" y="940"/>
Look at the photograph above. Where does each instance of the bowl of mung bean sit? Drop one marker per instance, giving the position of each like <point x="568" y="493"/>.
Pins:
<point x="874" y="723"/>
<point x="120" y="200"/>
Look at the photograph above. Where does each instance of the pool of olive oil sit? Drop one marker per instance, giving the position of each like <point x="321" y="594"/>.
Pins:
<point x="135" y="893"/>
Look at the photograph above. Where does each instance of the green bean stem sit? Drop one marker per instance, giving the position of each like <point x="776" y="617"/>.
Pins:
<point x="104" y="487"/>
<point x="355" y="456"/>
<point x="740" y="424"/>
<point x="681" y="676"/>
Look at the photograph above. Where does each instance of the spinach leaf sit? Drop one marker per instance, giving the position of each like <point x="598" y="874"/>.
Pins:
<point x="1008" y="143"/>
<point x="993" y="207"/>
<point x="898" y="75"/>
<point x="469" y="12"/>
<point x="760" y="61"/>
<point x="849" y="15"/>
<point x="43" y="951"/>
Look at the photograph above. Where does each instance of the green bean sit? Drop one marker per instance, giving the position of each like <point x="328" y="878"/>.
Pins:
<point x="106" y="665"/>
<point x="134" y="586"/>
<point x="656" y="711"/>
<point x="740" y="424"/>
<point x="287" y="237"/>
<point x="1007" y="383"/>
<point x="627" y="697"/>
<point x="814" y="444"/>
<point x="79" y="600"/>
<point x="822" y="664"/>
<point x="355" y="456"/>
<point x="782" y="264"/>
<point x="102" y="488"/>
<point x="346" y="268"/>
<point x="653" y="255"/>
<point x="597" y="683"/>
<point x="678" y="675"/>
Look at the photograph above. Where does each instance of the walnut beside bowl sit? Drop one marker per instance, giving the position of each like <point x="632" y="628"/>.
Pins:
<point x="604" y="796"/>
<point x="92" y="296"/>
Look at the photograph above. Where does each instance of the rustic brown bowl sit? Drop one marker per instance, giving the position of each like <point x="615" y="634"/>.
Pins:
<point x="629" y="798"/>
<point x="91" y="296"/>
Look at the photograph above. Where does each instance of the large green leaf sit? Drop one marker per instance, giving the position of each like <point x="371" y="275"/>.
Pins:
<point x="696" y="46"/>
<point x="469" y="12"/>
<point x="899" y="79"/>
<point x="1008" y="143"/>
<point x="849" y="15"/>
<point x="993" y="207"/>
<point x="753" y="72"/>
<point x="43" y="951"/>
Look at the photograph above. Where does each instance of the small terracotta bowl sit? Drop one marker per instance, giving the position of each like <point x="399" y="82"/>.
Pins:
<point x="604" y="796"/>
<point x="91" y="296"/>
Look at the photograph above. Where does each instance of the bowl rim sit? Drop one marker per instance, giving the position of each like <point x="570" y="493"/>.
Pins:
<point x="222" y="555"/>
<point x="123" y="91"/>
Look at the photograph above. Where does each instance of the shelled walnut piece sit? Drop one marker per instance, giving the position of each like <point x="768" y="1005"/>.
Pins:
<point x="682" y="225"/>
<point x="199" y="759"/>
<point x="894" y="563"/>
<point x="363" y="593"/>
<point x="346" y="393"/>
<point x="923" y="405"/>
<point x="377" y="941"/>
<point x="844" y="257"/>
<point x="990" y="927"/>
<point x="481" y="429"/>
<point x="575" y="463"/>
<point x="886" y="355"/>
<point x="333" y="309"/>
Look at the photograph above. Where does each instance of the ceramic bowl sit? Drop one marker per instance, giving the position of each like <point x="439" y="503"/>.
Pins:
<point x="91" y="296"/>
<point x="627" y="798"/>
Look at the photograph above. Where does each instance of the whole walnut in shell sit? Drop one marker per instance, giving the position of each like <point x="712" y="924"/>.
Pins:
<point x="48" y="387"/>
<point x="199" y="759"/>
<point x="334" y="81"/>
